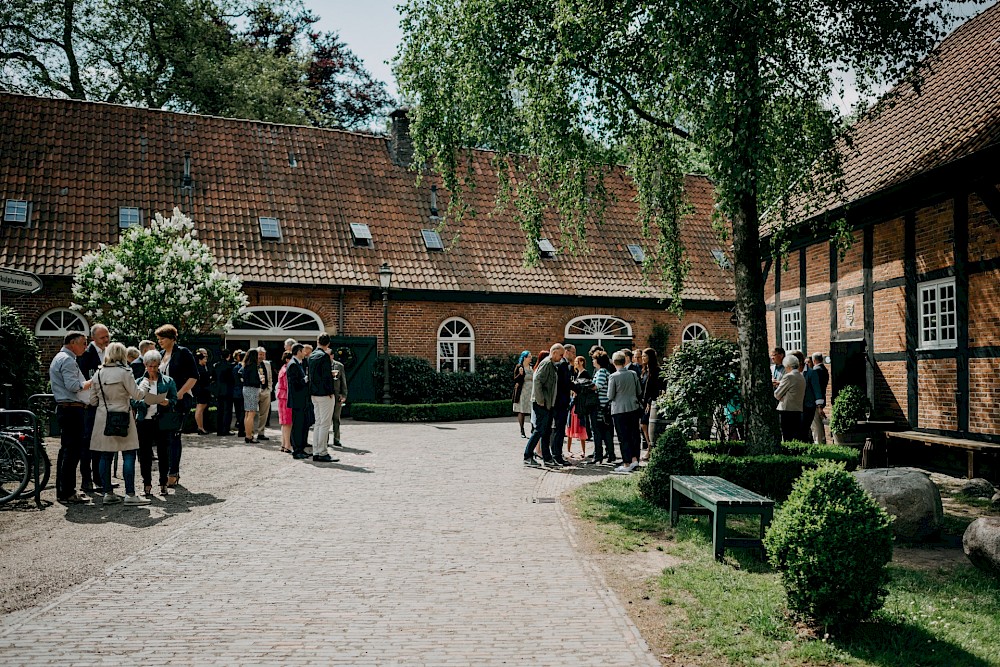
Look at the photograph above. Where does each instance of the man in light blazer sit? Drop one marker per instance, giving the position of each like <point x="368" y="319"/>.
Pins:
<point x="791" y="393"/>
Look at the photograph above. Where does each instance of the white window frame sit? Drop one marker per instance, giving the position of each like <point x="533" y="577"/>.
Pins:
<point x="601" y="327"/>
<point x="62" y="329"/>
<point x="265" y="221"/>
<point x="791" y="322"/>
<point x="938" y="315"/>
<point x="276" y="322"/>
<point x="695" y="332"/>
<point x="124" y="211"/>
<point x="449" y="342"/>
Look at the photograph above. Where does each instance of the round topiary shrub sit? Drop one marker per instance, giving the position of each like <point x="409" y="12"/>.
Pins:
<point x="670" y="456"/>
<point x="831" y="542"/>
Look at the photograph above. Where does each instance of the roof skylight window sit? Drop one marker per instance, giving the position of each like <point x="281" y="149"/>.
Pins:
<point x="432" y="239"/>
<point x="362" y="235"/>
<point x="16" y="212"/>
<point x="129" y="216"/>
<point x="546" y="247"/>
<point x="721" y="259"/>
<point x="270" y="229"/>
<point x="637" y="254"/>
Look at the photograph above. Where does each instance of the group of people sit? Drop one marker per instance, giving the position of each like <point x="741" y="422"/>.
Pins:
<point x="563" y="399"/>
<point x="109" y="404"/>
<point x="800" y="387"/>
<point x="113" y="400"/>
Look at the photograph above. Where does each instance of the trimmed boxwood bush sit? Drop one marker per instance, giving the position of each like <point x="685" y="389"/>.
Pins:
<point x="437" y="412"/>
<point x="771" y="475"/>
<point x="831" y="542"/>
<point x="414" y="380"/>
<point x="670" y="456"/>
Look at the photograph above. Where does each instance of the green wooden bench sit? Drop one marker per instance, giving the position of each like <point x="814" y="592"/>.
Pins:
<point x="719" y="498"/>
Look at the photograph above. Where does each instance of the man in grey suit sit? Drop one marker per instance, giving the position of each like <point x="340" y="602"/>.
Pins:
<point x="264" y="401"/>
<point x="543" y="402"/>
<point x="339" y="374"/>
<point x="791" y="393"/>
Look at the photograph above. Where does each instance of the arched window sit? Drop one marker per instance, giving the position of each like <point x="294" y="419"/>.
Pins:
<point x="60" y="321"/>
<point x="456" y="346"/>
<point x="276" y="322"/>
<point x="694" y="333"/>
<point x="599" y="327"/>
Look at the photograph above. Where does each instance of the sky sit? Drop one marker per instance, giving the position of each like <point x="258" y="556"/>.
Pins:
<point x="369" y="27"/>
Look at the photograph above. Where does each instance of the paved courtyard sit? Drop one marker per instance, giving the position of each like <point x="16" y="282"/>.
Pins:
<point x="424" y="545"/>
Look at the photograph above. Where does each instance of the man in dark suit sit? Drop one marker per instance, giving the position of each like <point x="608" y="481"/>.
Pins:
<point x="298" y="400"/>
<point x="139" y="366"/>
<point x="89" y="362"/>
<point x="322" y="393"/>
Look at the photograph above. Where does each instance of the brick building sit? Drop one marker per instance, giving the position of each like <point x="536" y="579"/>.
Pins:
<point x="305" y="217"/>
<point x="911" y="312"/>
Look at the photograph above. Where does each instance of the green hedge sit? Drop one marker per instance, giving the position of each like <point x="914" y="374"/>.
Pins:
<point x="436" y="412"/>
<point x="413" y="380"/>
<point x="772" y="475"/>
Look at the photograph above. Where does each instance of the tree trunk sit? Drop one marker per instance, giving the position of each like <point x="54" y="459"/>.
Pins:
<point x="759" y="406"/>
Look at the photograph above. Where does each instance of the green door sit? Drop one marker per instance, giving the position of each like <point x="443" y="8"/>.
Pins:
<point x="358" y="354"/>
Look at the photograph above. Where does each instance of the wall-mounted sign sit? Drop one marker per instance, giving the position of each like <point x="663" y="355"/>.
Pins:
<point x="12" y="280"/>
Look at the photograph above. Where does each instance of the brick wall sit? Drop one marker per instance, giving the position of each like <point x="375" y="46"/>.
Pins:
<point x="890" y="389"/>
<point x="849" y="267"/>
<point x="817" y="269"/>
<point x="887" y="250"/>
<point x="890" y="320"/>
<point x="984" y="397"/>
<point x="936" y="383"/>
<point x="984" y="308"/>
<point x="984" y="232"/>
<point x="790" y="278"/>
<point x="935" y="237"/>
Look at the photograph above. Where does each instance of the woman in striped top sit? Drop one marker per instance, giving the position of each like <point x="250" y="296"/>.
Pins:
<point x="600" y="421"/>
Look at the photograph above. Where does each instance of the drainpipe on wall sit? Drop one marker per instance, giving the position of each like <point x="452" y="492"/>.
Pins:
<point x="340" y="312"/>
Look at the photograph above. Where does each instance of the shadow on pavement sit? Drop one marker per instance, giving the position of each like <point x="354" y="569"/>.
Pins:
<point x="140" y="516"/>
<point x="338" y="466"/>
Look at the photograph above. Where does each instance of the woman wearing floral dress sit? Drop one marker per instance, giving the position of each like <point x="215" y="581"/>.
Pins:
<point x="522" y="389"/>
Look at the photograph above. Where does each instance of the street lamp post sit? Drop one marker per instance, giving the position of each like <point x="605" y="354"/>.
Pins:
<point x="385" y="279"/>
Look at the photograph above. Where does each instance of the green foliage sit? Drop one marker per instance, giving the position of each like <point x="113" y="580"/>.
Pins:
<point x="414" y="380"/>
<point x="658" y="338"/>
<point x="155" y="275"/>
<point x="699" y="380"/>
<point x="19" y="360"/>
<point x="438" y="412"/>
<point x="670" y="456"/>
<point x="259" y="59"/>
<point x="771" y="475"/>
<point x="831" y="542"/>
<point x="850" y="406"/>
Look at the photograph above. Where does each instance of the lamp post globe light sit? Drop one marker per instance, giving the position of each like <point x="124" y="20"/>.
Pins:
<point x="385" y="279"/>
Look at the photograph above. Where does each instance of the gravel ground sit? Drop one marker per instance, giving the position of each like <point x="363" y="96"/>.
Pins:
<point x="44" y="552"/>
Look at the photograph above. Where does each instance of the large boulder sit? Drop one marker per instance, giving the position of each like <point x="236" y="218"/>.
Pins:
<point x="977" y="488"/>
<point x="908" y="495"/>
<point x="995" y="501"/>
<point x="981" y="543"/>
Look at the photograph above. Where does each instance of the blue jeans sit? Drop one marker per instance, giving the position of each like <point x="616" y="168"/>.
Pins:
<point x="128" y="470"/>
<point x="542" y="432"/>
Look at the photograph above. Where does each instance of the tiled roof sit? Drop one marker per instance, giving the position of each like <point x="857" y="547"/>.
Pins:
<point x="77" y="162"/>
<point x="956" y="114"/>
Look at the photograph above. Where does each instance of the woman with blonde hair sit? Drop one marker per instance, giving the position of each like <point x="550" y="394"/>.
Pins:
<point x="113" y="386"/>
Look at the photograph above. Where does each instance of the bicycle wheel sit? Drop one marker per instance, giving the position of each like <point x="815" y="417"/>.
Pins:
<point x="13" y="468"/>
<point x="44" y="469"/>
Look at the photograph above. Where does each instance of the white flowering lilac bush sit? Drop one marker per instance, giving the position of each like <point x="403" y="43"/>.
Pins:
<point x="161" y="274"/>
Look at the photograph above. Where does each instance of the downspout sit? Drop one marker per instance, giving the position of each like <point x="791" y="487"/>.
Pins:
<point x="340" y="312"/>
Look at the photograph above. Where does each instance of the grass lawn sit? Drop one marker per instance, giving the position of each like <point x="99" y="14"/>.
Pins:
<point x="735" y="612"/>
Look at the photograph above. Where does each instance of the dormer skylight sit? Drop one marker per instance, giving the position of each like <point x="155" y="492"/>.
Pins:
<point x="362" y="235"/>
<point x="129" y="216"/>
<point x="270" y="229"/>
<point x="637" y="254"/>
<point x="16" y="212"/>
<point x="546" y="248"/>
<point x="432" y="240"/>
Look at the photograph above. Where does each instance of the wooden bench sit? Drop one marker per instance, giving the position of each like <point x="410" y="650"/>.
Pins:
<point x="971" y="446"/>
<point x="719" y="498"/>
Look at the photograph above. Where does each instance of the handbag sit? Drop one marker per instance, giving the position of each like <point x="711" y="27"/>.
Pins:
<point x="170" y="421"/>
<point x="117" y="423"/>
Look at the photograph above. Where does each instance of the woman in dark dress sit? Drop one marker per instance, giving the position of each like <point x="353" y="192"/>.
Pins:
<point x="652" y="387"/>
<point x="238" y="393"/>
<point x="202" y="390"/>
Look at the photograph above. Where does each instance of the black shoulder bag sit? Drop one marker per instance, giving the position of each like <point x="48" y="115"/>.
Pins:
<point x="117" y="423"/>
